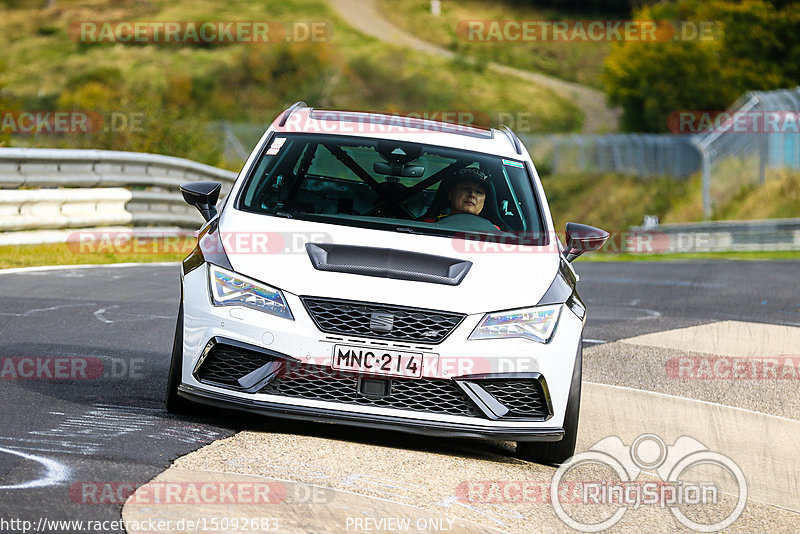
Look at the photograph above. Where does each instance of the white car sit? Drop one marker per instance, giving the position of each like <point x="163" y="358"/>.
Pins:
<point x="385" y="272"/>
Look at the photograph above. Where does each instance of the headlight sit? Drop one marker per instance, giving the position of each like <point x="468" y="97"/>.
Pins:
<point x="231" y="289"/>
<point x="536" y="324"/>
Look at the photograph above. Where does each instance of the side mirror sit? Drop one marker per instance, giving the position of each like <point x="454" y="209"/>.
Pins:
<point x="583" y="238"/>
<point x="203" y="196"/>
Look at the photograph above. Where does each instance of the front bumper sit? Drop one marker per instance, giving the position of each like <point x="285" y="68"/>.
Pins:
<point x="403" y="424"/>
<point x="453" y="359"/>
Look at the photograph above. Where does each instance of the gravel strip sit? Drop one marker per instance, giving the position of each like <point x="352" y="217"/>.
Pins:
<point x="428" y="480"/>
<point x="644" y="367"/>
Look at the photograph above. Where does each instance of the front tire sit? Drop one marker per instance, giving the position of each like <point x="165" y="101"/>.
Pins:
<point x="176" y="404"/>
<point x="557" y="452"/>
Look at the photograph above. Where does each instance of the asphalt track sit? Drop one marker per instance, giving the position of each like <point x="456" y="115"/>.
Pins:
<point x="65" y="431"/>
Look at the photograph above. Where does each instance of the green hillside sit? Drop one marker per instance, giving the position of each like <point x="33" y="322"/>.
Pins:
<point x="580" y="62"/>
<point x="178" y="89"/>
<point x="615" y="202"/>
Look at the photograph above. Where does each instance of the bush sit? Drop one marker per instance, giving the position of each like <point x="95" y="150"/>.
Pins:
<point x="757" y="48"/>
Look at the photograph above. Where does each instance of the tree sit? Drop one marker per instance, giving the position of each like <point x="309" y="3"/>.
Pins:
<point x="755" y="47"/>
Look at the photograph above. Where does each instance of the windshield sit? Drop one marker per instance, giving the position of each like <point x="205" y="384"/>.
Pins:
<point x="394" y="186"/>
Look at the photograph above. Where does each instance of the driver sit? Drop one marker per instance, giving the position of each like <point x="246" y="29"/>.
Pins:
<point x="467" y="193"/>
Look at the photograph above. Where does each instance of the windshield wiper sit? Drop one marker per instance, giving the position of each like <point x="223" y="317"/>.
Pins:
<point x="283" y="214"/>
<point x="414" y="231"/>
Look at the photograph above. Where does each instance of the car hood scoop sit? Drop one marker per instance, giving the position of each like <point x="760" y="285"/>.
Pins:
<point x="387" y="263"/>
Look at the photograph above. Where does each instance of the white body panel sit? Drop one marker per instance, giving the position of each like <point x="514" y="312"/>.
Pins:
<point x="500" y="278"/>
<point x="455" y="356"/>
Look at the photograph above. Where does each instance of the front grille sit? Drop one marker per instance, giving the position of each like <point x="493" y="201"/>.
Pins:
<point x="315" y="382"/>
<point x="353" y="318"/>
<point x="523" y="398"/>
<point x="225" y="364"/>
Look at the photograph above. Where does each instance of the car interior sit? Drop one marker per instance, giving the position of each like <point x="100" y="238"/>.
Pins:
<point x="381" y="179"/>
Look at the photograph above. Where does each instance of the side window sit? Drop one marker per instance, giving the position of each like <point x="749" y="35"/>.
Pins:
<point x="509" y="205"/>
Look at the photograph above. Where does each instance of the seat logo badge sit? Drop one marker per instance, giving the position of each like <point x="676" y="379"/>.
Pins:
<point x="381" y="322"/>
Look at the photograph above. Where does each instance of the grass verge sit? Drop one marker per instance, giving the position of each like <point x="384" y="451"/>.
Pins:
<point x="174" y="91"/>
<point x="63" y="254"/>
<point x="756" y="255"/>
<point x="67" y="254"/>
<point x="615" y="202"/>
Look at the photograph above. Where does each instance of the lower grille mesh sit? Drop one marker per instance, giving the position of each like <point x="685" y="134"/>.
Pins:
<point x="324" y="384"/>
<point x="524" y="398"/>
<point x="225" y="365"/>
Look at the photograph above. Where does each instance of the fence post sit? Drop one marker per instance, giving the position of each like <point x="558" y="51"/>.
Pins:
<point x="705" y="159"/>
<point x="763" y="149"/>
<point x="706" y="184"/>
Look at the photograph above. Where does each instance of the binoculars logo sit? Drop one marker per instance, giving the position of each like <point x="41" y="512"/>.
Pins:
<point x="675" y="465"/>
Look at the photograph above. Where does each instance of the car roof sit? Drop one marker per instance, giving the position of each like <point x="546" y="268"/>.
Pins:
<point x="303" y="119"/>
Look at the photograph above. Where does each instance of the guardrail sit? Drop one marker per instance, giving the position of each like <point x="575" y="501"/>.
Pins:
<point x="44" y="193"/>
<point x="52" y="167"/>
<point x="42" y="188"/>
<point x="722" y="236"/>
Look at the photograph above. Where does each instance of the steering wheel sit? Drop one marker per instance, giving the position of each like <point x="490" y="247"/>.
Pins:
<point x="467" y="222"/>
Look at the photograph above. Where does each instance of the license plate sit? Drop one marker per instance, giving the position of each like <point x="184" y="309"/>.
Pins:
<point x="377" y="361"/>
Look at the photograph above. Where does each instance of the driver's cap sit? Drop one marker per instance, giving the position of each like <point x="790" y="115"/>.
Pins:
<point x="474" y="175"/>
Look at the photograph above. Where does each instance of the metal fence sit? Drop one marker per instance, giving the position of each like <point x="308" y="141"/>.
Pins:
<point x="645" y="155"/>
<point x="728" y="158"/>
<point x="738" y="155"/>
<point x="238" y="139"/>
<point x="733" y="155"/>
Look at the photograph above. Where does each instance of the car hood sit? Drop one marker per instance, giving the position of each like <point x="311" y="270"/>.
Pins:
<point x="272" y="250"/>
